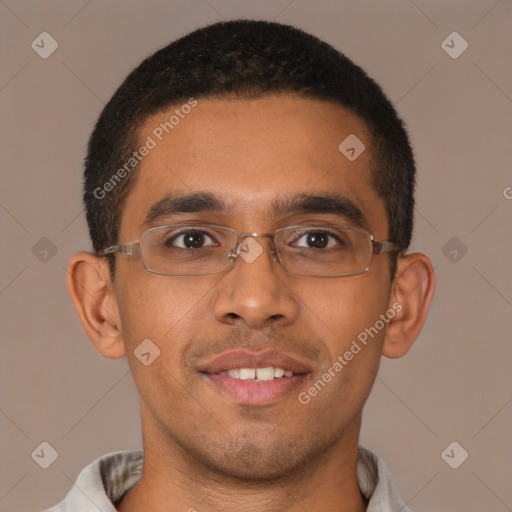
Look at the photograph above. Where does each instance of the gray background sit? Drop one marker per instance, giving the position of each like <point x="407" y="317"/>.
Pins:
<point x="454" y="385"/>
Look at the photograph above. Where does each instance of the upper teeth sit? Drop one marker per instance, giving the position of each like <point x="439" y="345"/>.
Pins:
<point x="267" y="373"/>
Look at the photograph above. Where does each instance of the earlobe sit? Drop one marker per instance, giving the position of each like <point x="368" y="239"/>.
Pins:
<point x="92" y="294"/>
<point x="412" y="292"/>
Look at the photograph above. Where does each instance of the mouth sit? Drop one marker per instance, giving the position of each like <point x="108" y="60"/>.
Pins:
<point x="258" y="374"/>
<point x="255" y="378"/>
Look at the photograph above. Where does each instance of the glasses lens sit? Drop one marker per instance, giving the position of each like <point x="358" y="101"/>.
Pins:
<point x="187" y="250"/>
<point x="324" y="250"/>
<point x="192" y="250"/>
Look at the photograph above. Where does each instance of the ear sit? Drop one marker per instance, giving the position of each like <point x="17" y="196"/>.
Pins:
<point x="412" y="291"/>
<point x="93" y="296"/>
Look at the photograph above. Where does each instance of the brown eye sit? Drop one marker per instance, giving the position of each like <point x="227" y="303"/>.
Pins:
<point x="191" y="240"/>
<point x="317" y="240"/>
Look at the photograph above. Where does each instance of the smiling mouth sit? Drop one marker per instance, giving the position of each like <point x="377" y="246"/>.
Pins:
<point x="256" y="379"/>
<point x="248" y="390"/>
<point x="266" y="373"/>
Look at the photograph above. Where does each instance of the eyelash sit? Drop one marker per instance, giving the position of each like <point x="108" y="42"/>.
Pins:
<point x="168" y="240"/>
<point x="332" y="236"/>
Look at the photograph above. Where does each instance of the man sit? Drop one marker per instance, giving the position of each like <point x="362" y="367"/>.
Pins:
<point x="249" y="195"/>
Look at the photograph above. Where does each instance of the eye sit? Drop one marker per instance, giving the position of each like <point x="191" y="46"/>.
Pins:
<point x="317" y="240"/>
<point x="191" y="239"/>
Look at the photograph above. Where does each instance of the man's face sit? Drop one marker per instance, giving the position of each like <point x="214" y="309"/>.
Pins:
<point x="252" y="155"/>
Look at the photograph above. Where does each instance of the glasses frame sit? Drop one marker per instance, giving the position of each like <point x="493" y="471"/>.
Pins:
<point x="132" y="248"/>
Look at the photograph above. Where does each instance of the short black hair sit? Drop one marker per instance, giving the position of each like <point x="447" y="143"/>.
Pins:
<point x="244" y="59"/>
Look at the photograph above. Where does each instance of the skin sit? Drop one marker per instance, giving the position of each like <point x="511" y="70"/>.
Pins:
<point x="202" y="450"/>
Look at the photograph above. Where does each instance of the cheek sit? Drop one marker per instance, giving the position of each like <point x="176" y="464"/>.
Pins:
<point x="158" y="307"/>
<point x="348" y="311"/>
<point x="165" y="311"/>
<point x="345" y="307"/>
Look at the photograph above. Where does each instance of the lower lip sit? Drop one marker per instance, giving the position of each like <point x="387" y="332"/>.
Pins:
<point x="255" y="392"/>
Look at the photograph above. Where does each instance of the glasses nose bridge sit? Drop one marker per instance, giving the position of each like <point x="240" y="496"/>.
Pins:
<point x="242" y="236"/>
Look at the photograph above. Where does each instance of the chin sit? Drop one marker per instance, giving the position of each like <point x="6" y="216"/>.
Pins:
<point x="258" y="460"/>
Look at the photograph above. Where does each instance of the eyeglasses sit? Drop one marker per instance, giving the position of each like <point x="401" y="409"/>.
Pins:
<point x="201" y="249"/>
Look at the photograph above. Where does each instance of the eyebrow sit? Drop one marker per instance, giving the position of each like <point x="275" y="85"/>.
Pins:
<point x="172" y="204"/>
<point x="207" y="202"/>
<point x="334" y="204"/>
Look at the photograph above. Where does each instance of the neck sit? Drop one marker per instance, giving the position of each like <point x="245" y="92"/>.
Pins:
<point x="173" y="480"/>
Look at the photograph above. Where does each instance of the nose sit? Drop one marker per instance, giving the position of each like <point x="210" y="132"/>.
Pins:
<point x="255" y="291"/>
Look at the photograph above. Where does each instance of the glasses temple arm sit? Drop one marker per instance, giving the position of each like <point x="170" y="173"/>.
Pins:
<point x="123" y="249"/>
<point x="380" y="247"/>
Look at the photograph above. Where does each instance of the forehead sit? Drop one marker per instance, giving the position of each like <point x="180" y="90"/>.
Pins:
<point x="252" y="154"/>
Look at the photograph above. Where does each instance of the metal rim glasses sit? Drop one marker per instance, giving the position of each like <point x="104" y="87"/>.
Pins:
<point x="202" y="249"/>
